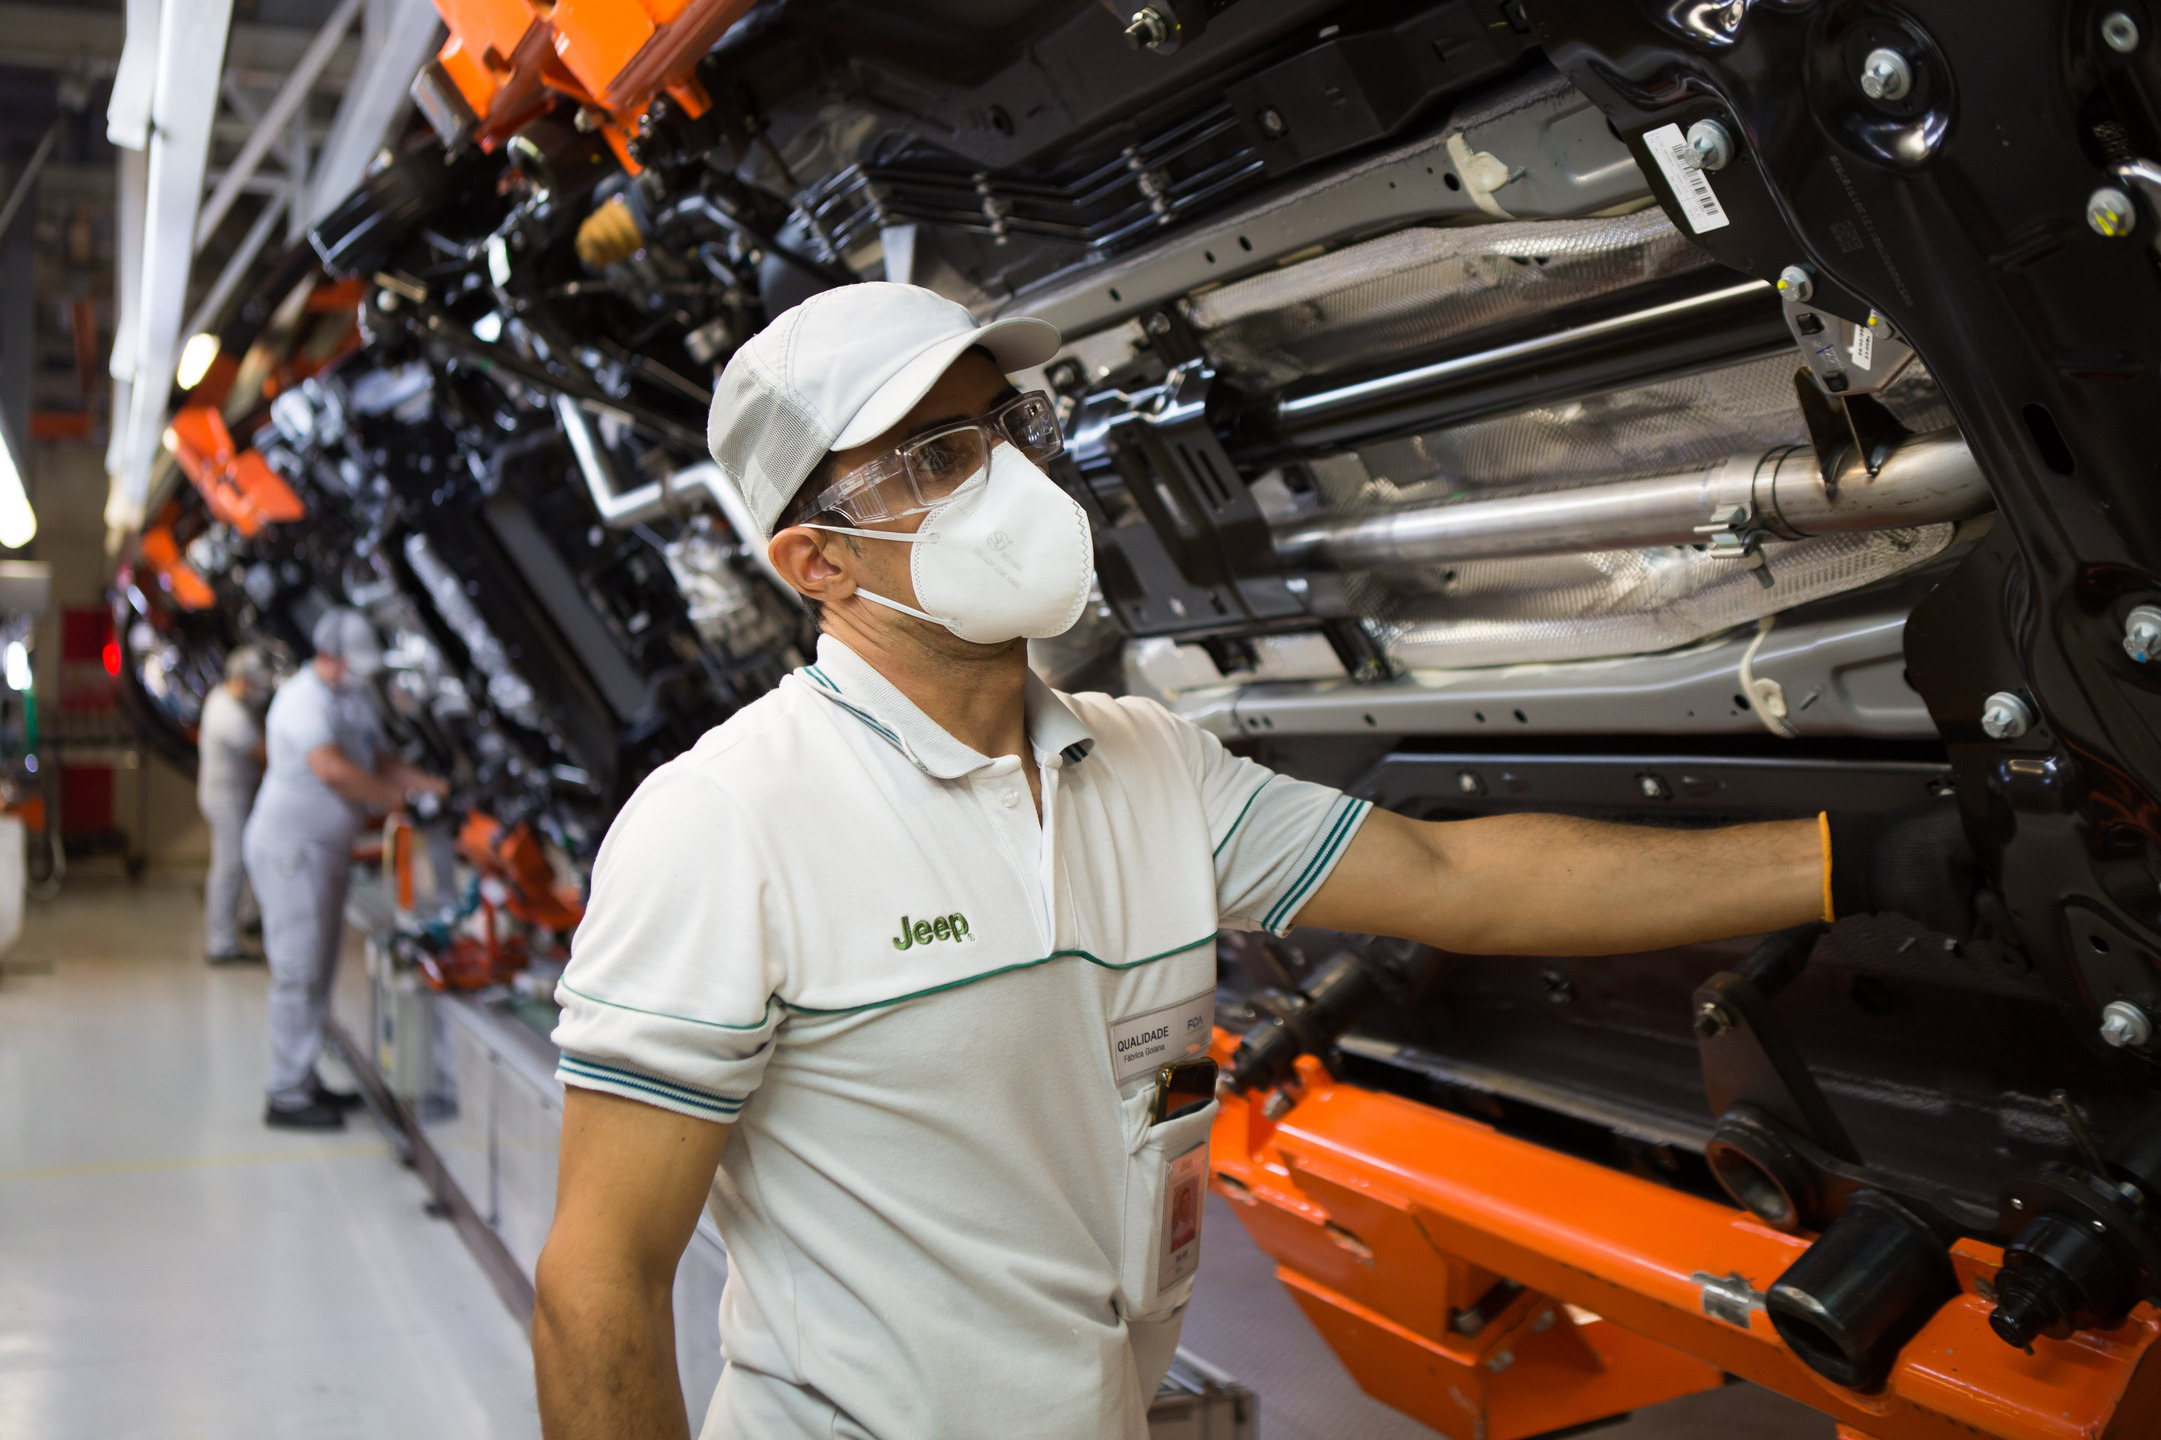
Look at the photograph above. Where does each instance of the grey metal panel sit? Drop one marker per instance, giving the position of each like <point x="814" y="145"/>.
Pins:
<point x="1569" y="165"/>
<point x="1482" y="782"/>
<point x="1684" y="1132"/>
<point x="26" y="586"/>
<point x="557" y="589"/>
<point x="459" y="1125"/>
<point x="1841" y="677"/>
<point x="528" y="1134"/>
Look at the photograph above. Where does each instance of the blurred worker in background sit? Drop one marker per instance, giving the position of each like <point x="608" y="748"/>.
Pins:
<point x="329" y="766"/>
<point x="230" y="744"/>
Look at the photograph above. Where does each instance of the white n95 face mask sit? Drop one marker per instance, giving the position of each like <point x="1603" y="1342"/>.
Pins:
<point x="1009" y="560"/>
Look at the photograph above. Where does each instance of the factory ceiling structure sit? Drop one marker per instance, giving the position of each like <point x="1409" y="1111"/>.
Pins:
<point x="292" y="128"/>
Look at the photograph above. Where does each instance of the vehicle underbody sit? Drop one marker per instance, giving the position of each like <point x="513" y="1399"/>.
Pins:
<point x="1662" y="413"/>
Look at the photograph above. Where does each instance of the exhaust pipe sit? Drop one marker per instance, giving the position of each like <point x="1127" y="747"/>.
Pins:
<point x="1779" y="494"/>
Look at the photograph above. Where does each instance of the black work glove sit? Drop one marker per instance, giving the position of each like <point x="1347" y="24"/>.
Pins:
<point x="1917" y="863"/>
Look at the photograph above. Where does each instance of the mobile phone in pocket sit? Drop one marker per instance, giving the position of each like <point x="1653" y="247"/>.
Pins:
<point x="1182" y="1087"/>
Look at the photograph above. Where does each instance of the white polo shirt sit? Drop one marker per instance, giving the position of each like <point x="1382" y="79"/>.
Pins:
<point x="934" y="1025"/>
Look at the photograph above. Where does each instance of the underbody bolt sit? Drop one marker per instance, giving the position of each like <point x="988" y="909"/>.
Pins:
<point x="1795" y="283"/>
<point x="1886" y="74"/>
<point x="1712" y="1019"/>
<point x="1709" y="146"/>
<point x="1148" y="27"/>
<point x="2123" y="1023"/>
<point x="2005" y="716"/>
<point x="2142" y="633"/>
<point x="2110" y="212"/>
<point x="2120" y="32"/>
<point x="1277" y="1105"/>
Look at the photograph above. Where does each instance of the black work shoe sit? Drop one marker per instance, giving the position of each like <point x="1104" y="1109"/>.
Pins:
<point x="236" y="957"/>
<point x="341" y="1099"/>
<point x="315" y="1115"/>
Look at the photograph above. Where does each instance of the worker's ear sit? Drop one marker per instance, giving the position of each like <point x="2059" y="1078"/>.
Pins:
<point x="813" y="561"/>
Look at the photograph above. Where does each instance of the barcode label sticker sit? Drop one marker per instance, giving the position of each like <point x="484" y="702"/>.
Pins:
<point x="1864" y="346"/>
<point x="1691" y="187"/>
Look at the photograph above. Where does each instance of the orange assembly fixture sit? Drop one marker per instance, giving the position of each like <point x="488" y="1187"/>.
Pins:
<point x="1388" y="1218"/>
<point x="240" y="489"/>
<point x="515" y="857"/>
<point x="174" y="575"/>
<point x="507" y="60"/>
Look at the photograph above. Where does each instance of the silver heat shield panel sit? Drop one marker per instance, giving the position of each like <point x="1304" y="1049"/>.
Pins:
<point x="1660" y="428"/>
<point x="1633" y="602"/>
<point x="1369" y="303"/>
<point x="1606" y="603"/>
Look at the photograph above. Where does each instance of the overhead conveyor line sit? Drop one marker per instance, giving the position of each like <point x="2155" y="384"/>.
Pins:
<point x="1353" y="1191"/>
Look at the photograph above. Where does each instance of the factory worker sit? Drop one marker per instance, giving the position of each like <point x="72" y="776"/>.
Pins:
<point x="329" y="767"/>
<point x="885" y="970"/>
<point x="229" y="765"/>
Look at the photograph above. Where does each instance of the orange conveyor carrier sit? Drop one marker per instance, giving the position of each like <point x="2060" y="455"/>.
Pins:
<point x="1386" y="1217"/>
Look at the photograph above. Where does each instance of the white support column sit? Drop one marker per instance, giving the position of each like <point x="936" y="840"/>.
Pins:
<point x="391" y="55"/>
<point x="297" y="162"/>
<point x="273" y="120"/>
<point x="191" y="47"/>
<point x="127" y="117"/>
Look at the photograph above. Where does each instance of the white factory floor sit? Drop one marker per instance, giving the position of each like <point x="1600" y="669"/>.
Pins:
<point x="171" y="1270"/>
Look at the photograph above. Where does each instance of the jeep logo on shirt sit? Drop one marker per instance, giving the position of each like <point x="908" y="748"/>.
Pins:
<point x="923" y="932"/>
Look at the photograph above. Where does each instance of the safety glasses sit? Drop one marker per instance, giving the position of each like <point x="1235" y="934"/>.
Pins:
<point x="942" y="465"/>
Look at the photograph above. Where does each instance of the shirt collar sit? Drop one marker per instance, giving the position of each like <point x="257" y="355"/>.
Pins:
<point x="849" y="681"/>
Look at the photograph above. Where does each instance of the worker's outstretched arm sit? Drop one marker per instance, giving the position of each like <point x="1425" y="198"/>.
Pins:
<point x="1552" y="885"/>
<point x="631" y="1181"/>
<point x="334" y="768"/>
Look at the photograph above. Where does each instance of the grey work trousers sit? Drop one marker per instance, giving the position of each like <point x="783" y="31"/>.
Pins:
<point x="301" y="885"/>
<point x="227" y="902"/>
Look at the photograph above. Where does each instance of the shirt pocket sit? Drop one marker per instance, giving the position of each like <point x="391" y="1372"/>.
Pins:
<point x="1166" y="1178"/>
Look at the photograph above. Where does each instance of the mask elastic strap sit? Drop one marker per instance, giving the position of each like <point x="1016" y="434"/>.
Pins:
<point x="903" y="609"/>
<point x="904" y="537"/>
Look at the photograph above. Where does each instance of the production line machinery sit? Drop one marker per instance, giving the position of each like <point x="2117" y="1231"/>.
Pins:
<point x="1685" y="413"/>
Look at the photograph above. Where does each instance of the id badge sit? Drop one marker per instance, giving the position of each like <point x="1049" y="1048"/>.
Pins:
<point x="1188" y="1182"/>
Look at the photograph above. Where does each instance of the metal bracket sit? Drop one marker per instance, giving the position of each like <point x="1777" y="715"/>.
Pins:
<point x="1840" y="427"/>
<point x="1748" y="1059"/>
<point x="1845" y="358"/>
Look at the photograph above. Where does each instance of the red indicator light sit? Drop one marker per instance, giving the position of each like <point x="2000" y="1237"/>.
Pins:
<point x="111" y="657"/>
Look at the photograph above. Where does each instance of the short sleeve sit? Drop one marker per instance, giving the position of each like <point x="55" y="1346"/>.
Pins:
<point x="1276" y="839"/>
<point x="669" y="997"/>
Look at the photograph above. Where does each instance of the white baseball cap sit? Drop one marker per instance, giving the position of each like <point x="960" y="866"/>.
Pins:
<point x="345" y="634"/>
<point x="839" y="369"/>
